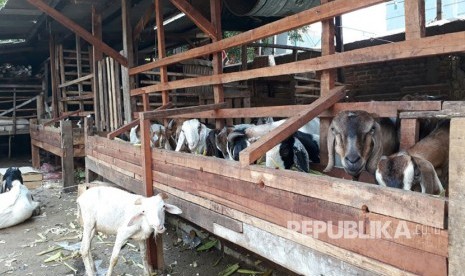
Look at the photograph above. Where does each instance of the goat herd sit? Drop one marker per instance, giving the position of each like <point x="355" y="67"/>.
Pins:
<point x="362" y="142"/>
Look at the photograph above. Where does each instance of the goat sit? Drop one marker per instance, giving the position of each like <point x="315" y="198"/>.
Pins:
<point x="298" y="149"/>
<point x="114" y="211"/>
<point x="360" y="140"/>
<point x="11" y="174"/>
<point x="17" y="205"/>
<point x="199" y="138"/>
<point x="421" y="166"/>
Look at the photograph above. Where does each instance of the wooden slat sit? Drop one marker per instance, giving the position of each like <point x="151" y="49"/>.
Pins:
<point x="176" y="111"/>
<point x="50" y="148"/>
<point x="271" y="139"/>
<point x="196" y="17"/>
<point x="62" y="117"/>
<point x="415" y="19"/>
<point x="307" y="17"/>
<point x="409" y="133"/>
<point x="443" y="114"/>
<point x="122" y="180"/>
<point x="161" y="51"/>
<point x="18" y="106"/>
<point x="76" y="81"/>
<point x="456" y="197"/>
<point x="429" y="46"/>
<point x="383" y="109"/>
<point x="78" y="30"/>
<point x="410" y="206"/>
<point x="116" y="149"/>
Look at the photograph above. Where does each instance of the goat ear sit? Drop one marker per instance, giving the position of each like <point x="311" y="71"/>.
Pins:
<point x="163" y="195"/>
<point x="430" y="182"/>
<point x="181" y="141"/>
<point x="377" y="150"/>
<point x="172" y="209"/>
<point x="330" y="141"/>
<point x="135" y="219"/>
<point x="138" y="201"/>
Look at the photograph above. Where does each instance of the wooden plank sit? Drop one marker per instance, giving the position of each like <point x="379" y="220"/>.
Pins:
<point x="47" y="147"/>
<point x="116" y="153"/>
<point x="103" y="169"/>
<point x="53" y="75"/>
<point x="62" y="117"/>
<point x="415" y="19"/>
<point x="410" y="206"/>
<point x="97" y="56"/>
<point x="382" y="108"/>
<point x="409" y="133"/>
<point x="307" y="17"/>
<point x="415" y="48"/>
<point x="456" y="197"/>
<point x="18" y="106"/>
<point x="78" y="98"/>
<point x="67" y="159"/>
<point x="79" y="68"/>
<point x="271" y="139"/>
<point x="418" y="261"/>
<point x="76" y="81"/>
<point x="443" y="114"/>
<point x="291" y="235"/>
<point x="151" y="115"/>
<point x="201" y="22"/>
<point x="457" y="106"/>
<point x="78" y="30"/>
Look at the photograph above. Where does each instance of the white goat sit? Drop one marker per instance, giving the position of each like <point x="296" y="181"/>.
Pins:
<point x="114" y="211"/>
<point x="195" y="134"/>
<point x="16" y="205"/>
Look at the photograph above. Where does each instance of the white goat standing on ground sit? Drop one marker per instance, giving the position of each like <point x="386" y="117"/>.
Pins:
<point x="114" y="211"/>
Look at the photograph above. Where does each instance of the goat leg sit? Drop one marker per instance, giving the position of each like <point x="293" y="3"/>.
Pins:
<point x="143" y="255"/>
<point x="87" y="235"/>
<point x="119" y="242"/>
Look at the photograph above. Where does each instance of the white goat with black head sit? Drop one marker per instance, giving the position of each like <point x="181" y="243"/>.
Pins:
<point x="421" y="167"/>
<point x="11" y="174"/>
<point x="199" y="138"/>
<point x="360" y="139"/>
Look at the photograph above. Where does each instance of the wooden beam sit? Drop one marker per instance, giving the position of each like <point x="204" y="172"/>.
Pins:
<point x="53" y="75"/>
<point x="307" y="17"/>
<point x="79" y="30"/>
<point x="176" y="111"/>
<point x="161" y="51"/>
<point x="18" y="106"/>
<point x="140" y="26"/>
<point x="75" y="81"/>
<point x="62" y="117"/>
<point x="429" y="46"/>
<point x="414" y="19"/>
<point x="456" y="197"/>
<point x="271" y="139"/>
<point x="196" y="17"/>
<point x="97" y="56"/>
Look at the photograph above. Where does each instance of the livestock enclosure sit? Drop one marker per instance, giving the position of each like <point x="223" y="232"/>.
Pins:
<point x="288" y="217"/>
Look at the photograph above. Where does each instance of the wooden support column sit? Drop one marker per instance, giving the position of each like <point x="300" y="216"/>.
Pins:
<point x="414" y="19"/>
<point x="161" y="50"/>
<point x="328" y="80"/>
<point x="217" y="62"/>
<point x="89" y="131"/>
<point x="97" y="56"/>
<point x="40" y="106"/>
<point x="154" y="249"/>
<point x="35" y="151"/>
<point x="53" y="75"/>
<point x="67" y="158"/>
<point x="79" y="69"/>
<point x="409" y="133"/>
<point x="456" y="197"/>
<point x="128" y="52"/>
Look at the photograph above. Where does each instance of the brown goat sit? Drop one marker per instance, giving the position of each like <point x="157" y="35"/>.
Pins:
<point x="360" y="139"/>
<point x="421" y="167"/>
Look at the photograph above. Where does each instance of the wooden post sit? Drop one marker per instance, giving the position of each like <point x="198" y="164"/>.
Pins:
<point x="414" y="19"/>
<point x="89" y="131"/>
<point x="79" y="69"/>
<point x="40" y="106"/>
<point x="217" y="62"/>
<point x="456" y="197"/>
<point x="96" y="57"/>
<point x="161" y="48"/>
<point x="328" y="80"/>
<point x="67" y="158"/>
<point x="409" y="133"/>
<point x="35" y="151"/>
<point x="53" y="75"/>
<point x="154" y="249"/>
<point x="128" y="52"/>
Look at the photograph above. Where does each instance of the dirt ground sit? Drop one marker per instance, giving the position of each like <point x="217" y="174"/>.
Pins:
<point x="22" y="246"/>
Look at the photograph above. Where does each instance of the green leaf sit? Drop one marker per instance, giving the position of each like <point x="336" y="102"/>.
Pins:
<point x="207" y="245"/>
<point x="229" y="270"/>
